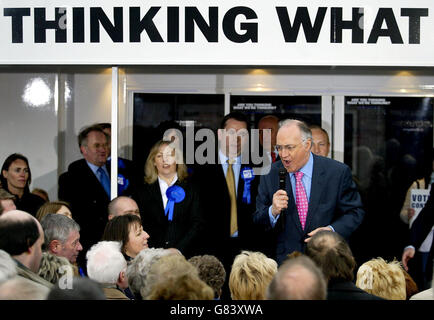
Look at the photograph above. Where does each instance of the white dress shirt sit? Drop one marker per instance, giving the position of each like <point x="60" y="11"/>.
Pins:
<point x="164" y="186"/>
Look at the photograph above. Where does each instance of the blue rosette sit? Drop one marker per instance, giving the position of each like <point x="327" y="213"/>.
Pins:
<point x="175" y="194"/>
<point x="123" y="182"/>
<point x="247" y="175"/>
<point x="121" y="163"/>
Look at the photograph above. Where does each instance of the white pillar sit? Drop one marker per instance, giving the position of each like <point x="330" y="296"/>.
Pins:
<point x="114" y="136"/>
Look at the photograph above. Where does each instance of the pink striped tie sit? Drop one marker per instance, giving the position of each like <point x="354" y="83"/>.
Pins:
<point x="300" y="199"/>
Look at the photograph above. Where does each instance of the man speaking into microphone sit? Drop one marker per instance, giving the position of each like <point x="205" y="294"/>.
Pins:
<point x="319" y="193"/>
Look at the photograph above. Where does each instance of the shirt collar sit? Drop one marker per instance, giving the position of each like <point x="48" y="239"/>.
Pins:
<point x="162" y="182"/>
<point x="94" y="168"/>
<point x="224" y="158"/>
<point x="307" y="169"/>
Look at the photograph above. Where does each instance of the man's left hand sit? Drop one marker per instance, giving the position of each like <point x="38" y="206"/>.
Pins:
<point x="310" y="234"/>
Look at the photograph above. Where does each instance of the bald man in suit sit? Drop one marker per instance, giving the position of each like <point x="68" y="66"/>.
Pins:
<point x="319" y="193"/>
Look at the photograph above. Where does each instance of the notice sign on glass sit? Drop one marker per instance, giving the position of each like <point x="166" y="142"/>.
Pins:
<point x="417" y="202"/>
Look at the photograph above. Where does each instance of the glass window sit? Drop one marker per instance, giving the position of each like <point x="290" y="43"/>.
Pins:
<point x="155" y="113"/>
<point x="388" y="145"/>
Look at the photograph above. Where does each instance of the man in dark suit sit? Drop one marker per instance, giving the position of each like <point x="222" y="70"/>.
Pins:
<point x="332" y="254"/>
<point x="86" y="187"/>
<point x="320" y="193"/>
<point x="421" y="228"/>
<point x="216" y="200"/>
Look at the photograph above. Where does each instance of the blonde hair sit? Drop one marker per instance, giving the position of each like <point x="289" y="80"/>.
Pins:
<point x="168" y="266"/>
<point x="250" y="275"/>
<point x="151" y="172"/>
<point x="383" y="279"/>
<point x="53" y="267"/>
<point x="184" y="287"/>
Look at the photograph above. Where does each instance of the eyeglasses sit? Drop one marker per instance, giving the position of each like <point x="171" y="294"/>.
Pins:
<point x="288" y="147"/>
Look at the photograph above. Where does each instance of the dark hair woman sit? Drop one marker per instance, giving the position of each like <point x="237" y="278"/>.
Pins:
<point x="16" y="177"/>
<point x="127" y="229"/>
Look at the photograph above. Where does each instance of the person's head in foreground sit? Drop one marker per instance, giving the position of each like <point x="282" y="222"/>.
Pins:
<point x="250" y="275"/>
<point x="383" y="279"/>
<point x="298" y="279"/>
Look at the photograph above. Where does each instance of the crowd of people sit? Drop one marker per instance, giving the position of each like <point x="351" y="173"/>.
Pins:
<point x="203" y="232"/>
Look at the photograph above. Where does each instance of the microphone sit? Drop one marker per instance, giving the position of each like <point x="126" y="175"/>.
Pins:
<point x="282" y="186"/>
<point x="282" y="178"/>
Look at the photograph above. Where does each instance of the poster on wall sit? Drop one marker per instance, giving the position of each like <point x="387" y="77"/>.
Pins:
<point x="305" y="108"/>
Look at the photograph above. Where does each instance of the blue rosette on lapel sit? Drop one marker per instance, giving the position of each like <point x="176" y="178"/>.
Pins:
<point x="175" y="194"/>
<point x="247" y="175"/>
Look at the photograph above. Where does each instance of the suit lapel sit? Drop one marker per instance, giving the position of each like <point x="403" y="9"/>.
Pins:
<point x="155" y="192"/>
<point x="316" y="190"/>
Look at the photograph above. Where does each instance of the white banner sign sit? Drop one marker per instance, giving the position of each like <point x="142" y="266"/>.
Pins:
<point x="223" y="32"/>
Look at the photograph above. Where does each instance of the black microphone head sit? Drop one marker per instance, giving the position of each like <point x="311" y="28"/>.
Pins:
<point x="282" y="178"/>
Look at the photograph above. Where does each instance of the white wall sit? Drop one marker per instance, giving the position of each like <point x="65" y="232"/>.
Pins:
<point x="29" y="130"/>
<point x="47" y="134"/>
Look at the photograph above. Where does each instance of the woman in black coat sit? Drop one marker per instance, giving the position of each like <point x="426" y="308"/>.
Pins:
<point x="169" y="203"/>
<point x="15" y="178"/>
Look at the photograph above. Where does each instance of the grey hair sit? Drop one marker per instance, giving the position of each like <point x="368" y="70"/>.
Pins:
<point x="139" y="267"/>
<point x="105" y="262"/>
<point x="58" y="227"/>
<point x="8" y="267"/>
<point x="306" y="133"/>
<point x="169" y="266"/>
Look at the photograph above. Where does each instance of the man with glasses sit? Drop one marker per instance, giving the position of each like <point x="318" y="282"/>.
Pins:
<point x="319" y="194"/>
<point x="86" y="186"/>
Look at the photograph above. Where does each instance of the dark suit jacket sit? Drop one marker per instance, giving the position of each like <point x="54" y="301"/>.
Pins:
<point x="81" y="188"/>
<point x="29" y="202"/>
<point x="217" y="212"/>
<point x="347" y="290"/>
<point x="185" y="230"/>
<point x="334" y="201"/>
